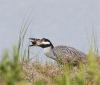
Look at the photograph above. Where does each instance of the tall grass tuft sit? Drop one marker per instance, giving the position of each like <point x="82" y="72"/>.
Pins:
<point x="10" y="70"/>
<point x="10" y="65"/>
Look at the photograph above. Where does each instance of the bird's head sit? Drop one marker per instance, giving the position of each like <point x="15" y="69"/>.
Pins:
<point x="43" y="43"/>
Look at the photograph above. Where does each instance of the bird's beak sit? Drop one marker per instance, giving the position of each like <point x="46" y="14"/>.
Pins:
<point x="32" y="39"/>
<point x="34" y="42"/>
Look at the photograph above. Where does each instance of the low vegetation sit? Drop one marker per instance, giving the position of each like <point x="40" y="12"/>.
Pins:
<point x="16" y="72"/>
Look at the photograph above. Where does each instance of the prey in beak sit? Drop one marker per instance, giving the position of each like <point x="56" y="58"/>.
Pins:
<point x="34" y="42"/>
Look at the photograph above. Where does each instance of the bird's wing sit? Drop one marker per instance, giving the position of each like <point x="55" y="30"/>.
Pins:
<point x="65" y="53"/>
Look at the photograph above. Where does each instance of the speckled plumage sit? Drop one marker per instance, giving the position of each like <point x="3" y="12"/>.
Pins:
<point x="66" y="54"/>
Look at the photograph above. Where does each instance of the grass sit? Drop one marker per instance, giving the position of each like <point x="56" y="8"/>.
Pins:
<point x="17" y="70"/>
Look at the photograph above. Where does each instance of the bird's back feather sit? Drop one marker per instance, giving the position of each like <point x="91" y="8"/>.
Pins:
<point x="67" y="54"/>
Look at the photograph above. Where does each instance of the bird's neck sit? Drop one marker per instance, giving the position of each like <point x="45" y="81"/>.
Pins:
<point x="49" y="52"/>
<point x="48" y="49"/>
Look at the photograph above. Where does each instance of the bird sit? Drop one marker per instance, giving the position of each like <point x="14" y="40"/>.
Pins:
<point x="61" y="54"/>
